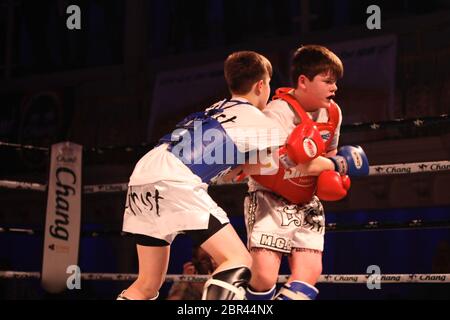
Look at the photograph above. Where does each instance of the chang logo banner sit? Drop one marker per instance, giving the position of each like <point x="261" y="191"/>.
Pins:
<point x="62" y="222"/>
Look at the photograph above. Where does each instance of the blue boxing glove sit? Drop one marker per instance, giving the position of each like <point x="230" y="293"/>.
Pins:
<point x="351" y="160"/>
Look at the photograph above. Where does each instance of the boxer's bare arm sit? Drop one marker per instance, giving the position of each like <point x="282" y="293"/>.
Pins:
<point x="318" y="165"/>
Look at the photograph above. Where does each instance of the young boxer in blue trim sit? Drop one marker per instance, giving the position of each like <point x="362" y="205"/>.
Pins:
<point x="168" y="188"/>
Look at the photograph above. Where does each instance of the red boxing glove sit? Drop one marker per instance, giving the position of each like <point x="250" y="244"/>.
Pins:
<point x="303" y="145"/>
<point x="331" y="186"/>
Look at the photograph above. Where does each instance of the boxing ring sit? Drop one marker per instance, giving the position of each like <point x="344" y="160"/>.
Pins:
<point x="372" y="225"/>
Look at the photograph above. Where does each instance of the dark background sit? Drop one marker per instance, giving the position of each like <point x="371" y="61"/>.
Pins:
<point x="97" y="87"/>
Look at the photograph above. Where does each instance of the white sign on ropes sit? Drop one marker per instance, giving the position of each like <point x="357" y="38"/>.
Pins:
<point x="62" y="221"/>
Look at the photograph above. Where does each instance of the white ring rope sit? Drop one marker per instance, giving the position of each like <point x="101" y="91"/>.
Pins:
<point x="325" y="278"/>
<point x="407" y="168"/>
<point x="377" y="170"/>
<point x="23" y="146"/>
<point x="415" y="123"/>
<point x="372" y="225"/>
<point x="8" y="184"/>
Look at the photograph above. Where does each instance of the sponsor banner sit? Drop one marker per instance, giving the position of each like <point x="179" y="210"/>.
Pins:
<point x="325" y="278"/>
<point x="383" y="278"/>
<point x="62" y="222"/>
<point x="407" y="168"/>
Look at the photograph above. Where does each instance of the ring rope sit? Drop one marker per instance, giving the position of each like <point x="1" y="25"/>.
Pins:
<point x="407" y="168"/>
<point x="325" y="278"/>
<point x="22" y="146"/>
<point x="8" y="184"/>
<point x="358" y="126"/>
<point x="376" y="170"/>
<point x="329" y="227"/>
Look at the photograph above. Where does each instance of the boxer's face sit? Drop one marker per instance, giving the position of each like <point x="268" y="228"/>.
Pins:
<point x="320" y="90"/>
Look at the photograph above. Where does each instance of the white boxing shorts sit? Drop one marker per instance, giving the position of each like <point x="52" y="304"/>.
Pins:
<point x="274" y="223"/>
<point x="165" y="208"/>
